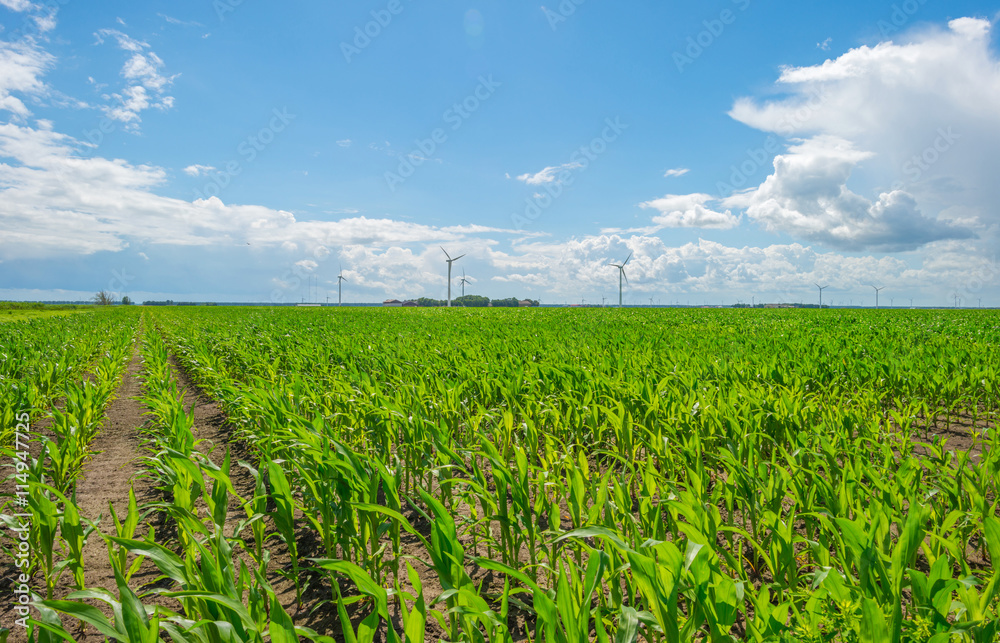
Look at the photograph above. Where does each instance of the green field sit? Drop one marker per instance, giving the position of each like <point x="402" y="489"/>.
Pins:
<point x="16" y="311"/>
<point x="531" y="474"/>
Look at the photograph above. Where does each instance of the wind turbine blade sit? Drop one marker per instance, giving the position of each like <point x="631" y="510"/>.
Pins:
<point x="446" y="253"/>
<point x="629" y="258"/>
<point x="458" y="257"/>
<point x="624" y="275"/>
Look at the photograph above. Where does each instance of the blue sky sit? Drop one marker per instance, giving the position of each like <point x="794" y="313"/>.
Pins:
<point x="237" y="151"/>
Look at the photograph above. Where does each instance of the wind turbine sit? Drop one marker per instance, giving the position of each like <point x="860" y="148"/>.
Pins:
<point x="450" y="261"/>
<point x="877" y="291"/>
<point x="340" y="283"/>
<point x="821" y="289"/>
<point x="621" y="276"/>
<point x="463" y="282"/>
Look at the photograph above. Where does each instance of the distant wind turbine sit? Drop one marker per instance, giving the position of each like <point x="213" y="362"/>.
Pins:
<point x="821" y="289"/>
<point x="463" y="282"/>
<point x="621" y="276"/>
<point x="450" y="261"/>
<point x="340" y="284"/>
<point x="877" y="291"/>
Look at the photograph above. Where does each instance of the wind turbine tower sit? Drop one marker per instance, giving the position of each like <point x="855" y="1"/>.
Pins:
<point x="621" y="276"/>
<point x="450" y="261"/>
<point x="340" y="285"/>
<point x="463" y="282"/>
<point x="821" y="289"/>
<point x="877" y="291"/>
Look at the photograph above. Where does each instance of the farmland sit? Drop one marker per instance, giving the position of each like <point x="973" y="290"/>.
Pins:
<point x="509" y="475"/>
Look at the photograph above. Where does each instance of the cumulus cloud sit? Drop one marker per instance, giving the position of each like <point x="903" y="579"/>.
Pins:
<point x="56" y="202"/>
<point x="807" y="197"/>
<point x="912" y="123"/>
<point x="689" y="211"/>
<point x="785" y="272"/>
<point x="676" y="172"/>
<point x="145" y="87"/>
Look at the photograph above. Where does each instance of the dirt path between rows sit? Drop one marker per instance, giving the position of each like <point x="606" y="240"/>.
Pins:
<point x="107" y="477"/>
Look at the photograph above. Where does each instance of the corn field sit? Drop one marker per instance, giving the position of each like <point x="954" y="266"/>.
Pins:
<point x="542" y="475"/>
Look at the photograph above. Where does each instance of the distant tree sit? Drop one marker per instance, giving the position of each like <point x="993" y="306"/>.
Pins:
<point x="104" y="298"/>
<point x="426" y="302"/>
<point x="512" y="302"/>
<point x="535" y="303"/>
<point x="471" y="301"/>
<point x="127" y="301"/>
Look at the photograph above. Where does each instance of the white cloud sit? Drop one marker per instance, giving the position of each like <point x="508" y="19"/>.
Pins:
<point x="807" y="197"/>
<point x="21" y="68"/>
<point x="689" y="211"/>
<point x="784" y="272"/>
<point x="912" y="123"/>
<point x="825" y="45"/>
<point x="681" y="171"/>
<point x="182" y="23"/>
<point x="345" y="143"/>
<point x="146" y="85"/>
<point x="550" y="174"/>
<point x="198" y="170"/>
<point x="55" y="202"/>
<point x="17" y="5"/>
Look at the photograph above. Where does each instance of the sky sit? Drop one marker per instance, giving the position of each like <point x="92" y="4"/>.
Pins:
<point x="737" y="150"/>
